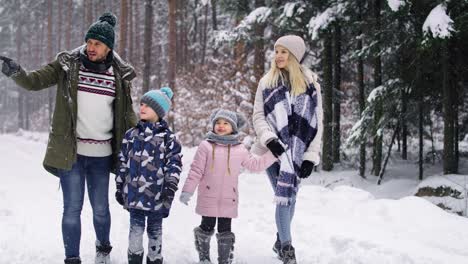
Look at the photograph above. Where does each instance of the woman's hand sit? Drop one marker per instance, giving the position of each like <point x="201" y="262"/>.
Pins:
<point x="275" y="147"/>
<point x="306" y="169"/>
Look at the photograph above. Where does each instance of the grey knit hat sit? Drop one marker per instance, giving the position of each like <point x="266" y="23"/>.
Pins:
<point x="158" y="100"/>
<point x="103" y="30"/>
<point x="236" y="120"/>
<point x="294" y="44"/>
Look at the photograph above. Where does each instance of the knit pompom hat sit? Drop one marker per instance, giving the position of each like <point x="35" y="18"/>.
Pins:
<point x="159" y="100"/>
<point x="294" y="44"/>
<point x="236" y="120"/>
<point x="103" y="30"/>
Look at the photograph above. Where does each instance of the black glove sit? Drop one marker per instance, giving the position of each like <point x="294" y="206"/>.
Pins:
<point x="168" y="191"/>
<point x="275" y="147"/>
<point x="9" y="67"/>
<point x="306" y="169"/>
<point x="119" y="197"/>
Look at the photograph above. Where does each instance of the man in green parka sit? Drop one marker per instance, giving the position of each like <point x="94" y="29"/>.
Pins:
<point x="93" y="109"/>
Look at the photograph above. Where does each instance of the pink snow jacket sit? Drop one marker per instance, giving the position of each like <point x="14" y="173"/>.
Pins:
<point x="215" y="170"/>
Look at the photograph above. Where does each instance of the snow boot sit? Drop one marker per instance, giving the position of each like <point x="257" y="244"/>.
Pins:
<point x="277" y="247"/>
<point x="102" y="253"/>
<point x="202" y="244"/>
<point x="135" y="258"/>
<point x="225" y="247"/>
<point x="156" y="261"/>
<point x="289" y="255"/>
<point x="75" y="260"/>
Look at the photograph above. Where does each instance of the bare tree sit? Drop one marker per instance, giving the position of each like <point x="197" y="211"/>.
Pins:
<point x="50" y="51"/>
<point x="123" y="28"/>
<point x="327" y="102"/>
<point x="337" y="89"/>
<point x="147" y="44"/>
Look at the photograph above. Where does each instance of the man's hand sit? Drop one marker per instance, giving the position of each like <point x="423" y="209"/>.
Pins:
<point x="9" y="67"/>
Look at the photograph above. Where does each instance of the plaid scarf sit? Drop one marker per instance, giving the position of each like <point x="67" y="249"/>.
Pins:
<point x="294" y="120"/>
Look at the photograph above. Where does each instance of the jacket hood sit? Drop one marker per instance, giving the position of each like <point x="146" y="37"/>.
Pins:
<point x="66" y="57"/>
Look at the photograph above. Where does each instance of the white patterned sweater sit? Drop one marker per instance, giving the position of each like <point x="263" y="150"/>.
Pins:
<point x="96" y="94"/>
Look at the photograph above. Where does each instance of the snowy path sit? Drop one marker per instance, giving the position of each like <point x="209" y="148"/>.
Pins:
<point x="344" y="225"/>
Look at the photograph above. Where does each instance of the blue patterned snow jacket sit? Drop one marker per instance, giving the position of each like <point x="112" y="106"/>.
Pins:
<point x="150" y="157"/>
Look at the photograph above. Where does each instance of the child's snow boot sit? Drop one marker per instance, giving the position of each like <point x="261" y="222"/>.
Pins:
<point x="225" y="247"/>
<point x="156" y="261"/>
<point x="102" y="253"/>
<point x="289" y="255"/>
<point x="202" y="244"/>
<point x="134" y="258"/>
<point x="75" y="260"/>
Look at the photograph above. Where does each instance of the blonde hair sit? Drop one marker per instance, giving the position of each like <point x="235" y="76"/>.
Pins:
<point x="297" y="75"/>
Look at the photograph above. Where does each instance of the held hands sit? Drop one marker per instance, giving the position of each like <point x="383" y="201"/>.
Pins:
<point x="9" y="67"/>
<point x="185" y="197"/>
<point x="306" y="169"/>
<point x="275" y="147"/>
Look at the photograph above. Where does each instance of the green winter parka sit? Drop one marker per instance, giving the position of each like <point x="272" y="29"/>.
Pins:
<point x="63" y="72"/>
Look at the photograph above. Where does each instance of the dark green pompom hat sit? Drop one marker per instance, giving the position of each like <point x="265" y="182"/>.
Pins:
<point x="103" y="30"/>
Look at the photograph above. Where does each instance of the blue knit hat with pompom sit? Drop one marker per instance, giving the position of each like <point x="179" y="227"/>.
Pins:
<point x="103" y="30"/>
<point x="159" y="100"/>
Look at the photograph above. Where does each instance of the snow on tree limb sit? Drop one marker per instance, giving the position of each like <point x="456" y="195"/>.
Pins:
<point x="438" y="22"/>
<point x="258" y="15"/>
<point x="322" y="20"/>
<point x="395" y="4"/>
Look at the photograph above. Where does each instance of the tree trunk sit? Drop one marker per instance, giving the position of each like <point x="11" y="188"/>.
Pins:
<point x="171" y="73"/>
<point x="421" y="130"/>
<point x="193" y="51"/>
<point x="377" y="155"/>
<point x="337" y="88"/>
<point x="123" y="29"/>
<point x="68" y="32"/>
<point x="59" y="25"/>
<point x="327" y="103"/>
<point x="50" y="52"/>
<point x="138" y="46"/>
<point x="362" y="95"/>
<point x="21" y="91"/>
<point x="88" y="13"/>
<point x="205" y="33"/>
<point x="449" y="118"/>
<point x="147" y="44"/>
<point x="382" y="171"/>
<point x="404" y="126"/>
<point x="259" y="53"/>
<point x="131" y="48"/>
<point x="214" y="22"/>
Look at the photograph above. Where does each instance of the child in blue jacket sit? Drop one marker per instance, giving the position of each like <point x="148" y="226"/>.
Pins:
<point x="150" y="165"/>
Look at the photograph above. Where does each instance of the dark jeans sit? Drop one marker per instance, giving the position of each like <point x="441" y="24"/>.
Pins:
<point x="154" y="231"/>
<point x="94" y="171"/>
<point x="208" y="224"/>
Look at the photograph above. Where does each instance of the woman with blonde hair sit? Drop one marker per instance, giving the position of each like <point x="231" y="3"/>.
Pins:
<point x="288" y="121"/>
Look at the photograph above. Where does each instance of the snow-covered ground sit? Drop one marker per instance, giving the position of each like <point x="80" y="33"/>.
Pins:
<point x="334" y="222"/>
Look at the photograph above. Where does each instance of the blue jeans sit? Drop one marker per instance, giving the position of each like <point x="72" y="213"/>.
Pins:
<point x="154" y="231"/>
<point x="283" y="214"/>
<point x="94" y="171"/>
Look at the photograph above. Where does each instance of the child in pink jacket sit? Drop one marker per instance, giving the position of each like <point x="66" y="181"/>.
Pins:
<point x="215" y="170"/>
